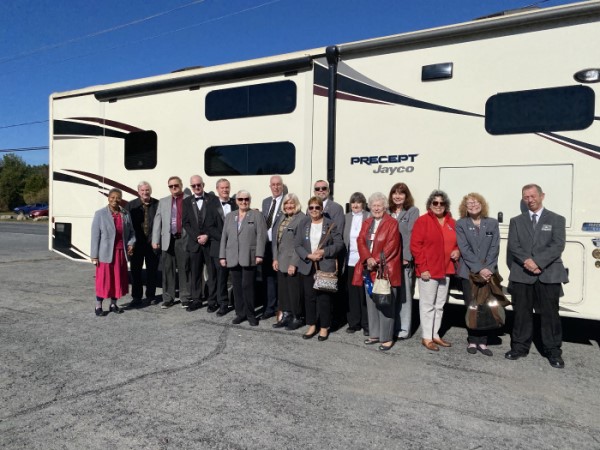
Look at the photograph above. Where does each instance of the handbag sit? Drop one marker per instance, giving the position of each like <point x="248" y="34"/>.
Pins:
<point x="326" y="281"/>
<point x="382" y="289"/>
<point x="486" y="307"/>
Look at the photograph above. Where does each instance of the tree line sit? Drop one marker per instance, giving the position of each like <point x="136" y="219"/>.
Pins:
<point x="21" y="183"/>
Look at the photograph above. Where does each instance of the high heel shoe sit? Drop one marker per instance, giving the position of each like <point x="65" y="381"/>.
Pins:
<point x="115" y="309"/>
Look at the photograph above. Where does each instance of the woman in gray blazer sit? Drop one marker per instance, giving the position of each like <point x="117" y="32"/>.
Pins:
<point x="402" y="207"/>
<point x="478" y="238"/>
<point x="286" y="260"/>
<point x="318" y="243"/>
<point x="242" y="246"/>
<point x="357" y="304"/>
<point x="112" y="236"/>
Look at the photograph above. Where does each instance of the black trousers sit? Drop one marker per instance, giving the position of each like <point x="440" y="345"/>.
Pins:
<point x="243" y="290"/>
<point x="269" y="280"/>
<point x="544" y="298"/>
<point x="357" y="304"/>
<point x="473" y="336"/>
<point x="289" y="293"/>
<point x="317" y="303"/>
<point x="222" y="274"/>
<point x="198" y="260"/>
<point x="143" y="251"/>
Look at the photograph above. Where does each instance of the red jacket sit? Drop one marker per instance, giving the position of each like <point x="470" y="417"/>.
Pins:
<point x="427" y="245"/>
<point x="387" y="239"/>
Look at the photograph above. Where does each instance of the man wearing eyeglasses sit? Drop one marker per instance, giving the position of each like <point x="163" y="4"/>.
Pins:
<point x="194" y="222"/>
<point x="169" y="235"/>
<point x="331" y="209"/>
<point x="271" y="209"/>
<point x="536" y="240"/>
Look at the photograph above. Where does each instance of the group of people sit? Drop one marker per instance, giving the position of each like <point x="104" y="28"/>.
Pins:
<point x="384" y="236"/>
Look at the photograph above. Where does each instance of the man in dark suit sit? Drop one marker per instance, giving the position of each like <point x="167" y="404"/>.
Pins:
<point x="168" y="234"/>
<point x="331" y="209"/>
<point x="271" y="209"/>
<point x="194" y="222"/>
<point x="536" y="240"/>
<point x="142" y="211"/>
<point x="218" y="208"/>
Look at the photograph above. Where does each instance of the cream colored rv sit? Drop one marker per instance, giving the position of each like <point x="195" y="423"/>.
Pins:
<point x="486" y="106"/>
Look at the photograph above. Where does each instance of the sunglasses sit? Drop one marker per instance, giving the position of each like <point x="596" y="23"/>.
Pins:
<point x="195" y="185"/>
<point x="173" y="186"/>
<point x="320" y="188"/>
<point x="314" y="207"/>
<point x="436" y="203"/>
<point x="246" y="199"/>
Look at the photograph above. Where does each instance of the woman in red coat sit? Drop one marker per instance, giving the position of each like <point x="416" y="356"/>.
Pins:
<point x="379" y="234"/>
<point x="435" y="251"/>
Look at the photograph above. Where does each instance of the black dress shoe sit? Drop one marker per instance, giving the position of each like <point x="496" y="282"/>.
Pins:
<point x="99" y="312"/>
<point x="267" y="315"/>
<point x="135" y="303"/>
<point x="253" y="322"/>
<point x="115" y="309"/>
<point x="167" y="305"/>
<point x="222" y="311"/>
<point x="514" y="355"/>
<point x="323" y="338"/>
<point x="238" y="320"/>
<point x="471" y="350"/>
<point x="385" y="348"/>
<point x="365" y="332"/>
<point x="193" y="306"/>
<point x="212" y="308"/>
<point x="556" y="362"/>
<point x="294" y="324"/>
<point x="486" y="351"/>
<point x="310" y="335"/>
<point x="352" y="330"/>
<point x="371" y="341"/>
<point x="285" y="319"/>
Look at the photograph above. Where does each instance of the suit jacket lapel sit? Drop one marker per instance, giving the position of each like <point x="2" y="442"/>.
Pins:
<point x="527" y="223"/>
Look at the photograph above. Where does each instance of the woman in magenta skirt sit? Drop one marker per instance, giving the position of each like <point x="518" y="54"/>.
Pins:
<point x="112" y="237"/>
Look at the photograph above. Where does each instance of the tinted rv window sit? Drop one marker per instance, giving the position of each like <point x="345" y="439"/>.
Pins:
<point x="140" y="150"/>
<point x="540" y="110"/>
<point x="251" y="101"/>
<point x="270" y="158"/>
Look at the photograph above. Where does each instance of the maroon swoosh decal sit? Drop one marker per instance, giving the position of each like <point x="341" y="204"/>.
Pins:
<point x="105" y="180"/>
<point x="110" y="123"/>
<point x="577" y="149"/>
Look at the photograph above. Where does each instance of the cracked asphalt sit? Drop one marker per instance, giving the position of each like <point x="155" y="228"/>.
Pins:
<point x="170" y="379"/>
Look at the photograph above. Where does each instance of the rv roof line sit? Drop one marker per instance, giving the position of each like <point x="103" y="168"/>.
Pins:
<point x="185" y="69"/>
<point x="186" y="82"/>
<point x="509" y="12"/>
<point x="470" y="28"/>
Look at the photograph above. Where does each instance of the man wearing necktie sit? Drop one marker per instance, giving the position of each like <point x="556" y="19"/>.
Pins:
<point x="271" y="209"/>
<point x="536" y="240"/>
<point x="194" y="223"/>
<point x="142" y="211"/>
<point x="218" y="208"/>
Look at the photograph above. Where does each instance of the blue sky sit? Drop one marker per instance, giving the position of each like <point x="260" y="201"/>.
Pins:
<point x="58" y="45"/>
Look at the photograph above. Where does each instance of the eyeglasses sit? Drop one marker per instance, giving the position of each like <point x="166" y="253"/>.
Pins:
<point x="173" y="186"/>
<point x="436" y="203"/>
<point x="314" y="207"/>
<point x="473" y="203"/>
<point x="196" y="185"/>
<point x="243" y="199"/>
<point x="320" y="188"/>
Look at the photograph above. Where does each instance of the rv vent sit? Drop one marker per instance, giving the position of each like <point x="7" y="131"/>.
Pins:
<point x="441" y="71"/>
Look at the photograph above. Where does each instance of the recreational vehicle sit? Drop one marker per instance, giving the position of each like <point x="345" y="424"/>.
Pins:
<point x="486" y="106"/>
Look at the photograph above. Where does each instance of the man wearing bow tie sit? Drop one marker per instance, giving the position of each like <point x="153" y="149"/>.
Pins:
<point x="218" y="208"/>
<point x="194" y="222"/>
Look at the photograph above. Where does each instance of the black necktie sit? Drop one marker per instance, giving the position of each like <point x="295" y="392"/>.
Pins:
<point x="534" y="220"/>
<point x="271" y="213"/>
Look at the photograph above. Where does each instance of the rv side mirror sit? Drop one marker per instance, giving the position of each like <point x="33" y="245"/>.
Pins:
<point x="500" y="217"/>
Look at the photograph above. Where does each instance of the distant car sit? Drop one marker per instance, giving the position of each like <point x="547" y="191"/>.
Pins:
<point x="39" y="213"/>
<point x="26" y="209"/>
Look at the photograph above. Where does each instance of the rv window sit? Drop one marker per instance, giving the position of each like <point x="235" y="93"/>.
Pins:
<point x="140" y="150"/>
<point x="269" y="158"/>
<point x="540" y="110"/>
<point x="251" y="101"/>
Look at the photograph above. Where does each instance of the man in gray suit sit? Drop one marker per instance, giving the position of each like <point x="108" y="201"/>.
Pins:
<point x="271" y="209"/>
<point x="168" y="234"/>
<point x="331" y="209"/>
<point x="536" y="240"/>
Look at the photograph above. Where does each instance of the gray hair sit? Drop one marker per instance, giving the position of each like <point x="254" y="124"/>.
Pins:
<point x="144" y="183"/>
<point x="222" y="180"/>
<point x="294" y="198"/>
<point x="377" y="197"/>
<point x="438" y="193"/>
<point x="243" y="191"/>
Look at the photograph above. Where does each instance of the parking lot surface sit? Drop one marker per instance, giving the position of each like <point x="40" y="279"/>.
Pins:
<point x="171" y="379"/>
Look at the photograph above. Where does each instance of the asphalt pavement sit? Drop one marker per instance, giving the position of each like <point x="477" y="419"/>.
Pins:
<point x="171" y="379"/>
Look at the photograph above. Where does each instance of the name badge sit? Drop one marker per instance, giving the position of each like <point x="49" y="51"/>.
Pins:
<point x="546" y="227"/>
<point x="404" y="219"/>
<point x="488" y="233"/>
